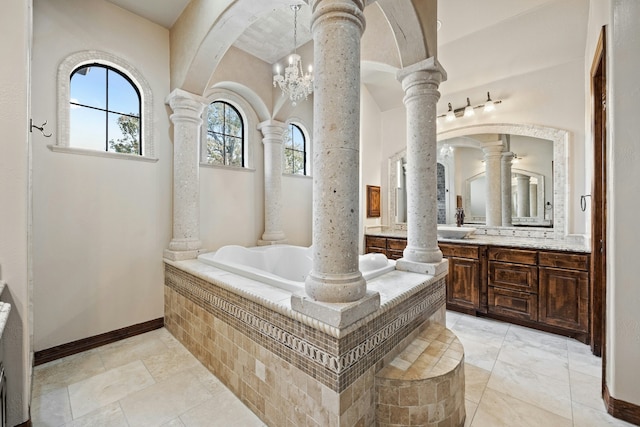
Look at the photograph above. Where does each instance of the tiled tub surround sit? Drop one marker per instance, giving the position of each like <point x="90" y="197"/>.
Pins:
<point x="423" y="385"/>
<point x="288" y="368"/>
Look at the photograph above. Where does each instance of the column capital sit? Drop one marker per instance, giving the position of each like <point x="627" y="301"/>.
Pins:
<point x="186" y="104"/>
<point x="272" y="131"/>
<point x="493" y="148"/>
<point x="271" y="123"/>
<point x="351" y="10"/>
<point x="507" y="156"/>
<point x="429" y="70"/>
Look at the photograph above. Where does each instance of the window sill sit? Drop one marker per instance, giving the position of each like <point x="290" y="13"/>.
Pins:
<point x="233" y="168"/>
<point x="96" y="153"/>
<point x="297" y="176"/>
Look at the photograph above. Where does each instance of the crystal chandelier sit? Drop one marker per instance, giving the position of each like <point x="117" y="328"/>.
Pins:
<point x="295" y="83"/>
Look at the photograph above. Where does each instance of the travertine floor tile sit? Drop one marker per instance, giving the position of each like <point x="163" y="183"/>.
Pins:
<point x="51" y="409"/>
<point x="552" y="394"/>
<point x="475" y="381"/>
<point x="537" y="359"/>
<point x="164" y="401"/>
<point x="222" y="411"/>
<point x="110" y="415"/>
<point x="500" y="410"/>
<point x="174" y="423"/>
<point x="470" y="407"/>
<point x="586" y="390"/>
<point x="131" y="349"/>
<point x="584" y="416"/>
<point x="108" y="387"/>
<point x="585" y="364"/>
<point x="169" y="363"/>
<point x="530" y="337"/>
<point x="162" y="384"/>
<point x="66" y="371"/>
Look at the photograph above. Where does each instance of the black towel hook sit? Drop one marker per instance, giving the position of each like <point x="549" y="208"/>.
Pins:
<point x="40" y="128"/>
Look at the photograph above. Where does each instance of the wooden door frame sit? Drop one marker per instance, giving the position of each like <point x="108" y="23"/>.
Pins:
<point x="599" y="201"/>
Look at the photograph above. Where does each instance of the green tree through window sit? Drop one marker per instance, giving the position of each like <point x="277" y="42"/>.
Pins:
<point x="225" y="135"/>
<point x="295" y="151"/>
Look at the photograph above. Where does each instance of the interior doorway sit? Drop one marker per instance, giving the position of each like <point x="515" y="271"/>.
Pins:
<point x="599" y="201"/>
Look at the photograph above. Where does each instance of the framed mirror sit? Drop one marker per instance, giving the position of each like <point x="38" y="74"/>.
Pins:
<point x="548" y="183"/>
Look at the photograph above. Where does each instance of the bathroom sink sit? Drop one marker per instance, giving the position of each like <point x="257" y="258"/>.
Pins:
<point x="453" y="232"/>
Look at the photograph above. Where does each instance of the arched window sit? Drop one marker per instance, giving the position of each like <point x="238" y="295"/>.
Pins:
<point x="295" y="151"/>
<point x="105" y="110"/>
<point x="225" y="135"/>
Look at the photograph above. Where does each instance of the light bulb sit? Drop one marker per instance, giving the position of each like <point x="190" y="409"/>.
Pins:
<point x="489" y="106"/>
<point x="451" y="116"/>
<point x="468" y="110"/>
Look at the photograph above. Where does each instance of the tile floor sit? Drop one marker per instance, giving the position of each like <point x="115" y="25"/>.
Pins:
<point x="514" y="377"/>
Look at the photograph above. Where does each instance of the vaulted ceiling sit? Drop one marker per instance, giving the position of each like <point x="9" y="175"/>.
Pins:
<point x="478" y="42"/>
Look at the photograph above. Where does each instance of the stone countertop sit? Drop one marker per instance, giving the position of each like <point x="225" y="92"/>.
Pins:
<point x="485" y="239"/>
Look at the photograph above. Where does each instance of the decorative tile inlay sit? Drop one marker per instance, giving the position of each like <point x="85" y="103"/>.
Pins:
<point x="336" y="362"/>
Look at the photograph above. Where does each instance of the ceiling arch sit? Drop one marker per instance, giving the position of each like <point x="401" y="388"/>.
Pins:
<point x="205" y="31"/>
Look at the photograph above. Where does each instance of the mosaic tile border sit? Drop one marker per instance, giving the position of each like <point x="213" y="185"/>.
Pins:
<point x="336" y="362"/>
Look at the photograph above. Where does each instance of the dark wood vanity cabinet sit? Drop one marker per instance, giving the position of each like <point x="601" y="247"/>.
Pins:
<point x="563" y="300"/>
<point x="391" y="247"/>
<point x="538" y="288"/>
<point x="465" y="279"/>
<point x="513" y="283"/>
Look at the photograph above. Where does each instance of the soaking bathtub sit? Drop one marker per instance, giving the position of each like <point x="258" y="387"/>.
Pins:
<point x="283" y="266"/>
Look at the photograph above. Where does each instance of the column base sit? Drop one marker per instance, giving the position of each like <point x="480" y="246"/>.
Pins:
<point x="185" y="244"/>
<point x="422" y="255"/>
<point x="182" y="255"/>
<point x="263" y="242"/>
<point x="432" y="268"/>
<point x="338" y="315"/>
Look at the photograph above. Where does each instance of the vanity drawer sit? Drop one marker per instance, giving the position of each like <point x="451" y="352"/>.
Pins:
<point x="564" y="260"/>
<point x="521" y="278"/>
<point x="510" y="303"/>
<point x="376" y="242"/>
<point x="519" y="256"/>
<point x="460" y="251"/>
<point x="396" y="244"/>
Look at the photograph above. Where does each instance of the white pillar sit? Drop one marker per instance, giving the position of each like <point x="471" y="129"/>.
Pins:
<point x="420" y="82"/>
<point x="533" y="199"/>
<point x="187" y="122"/>
<point x="523" y="195"/>
<point x="272" y="132"/>
<point x="337" y="26"/>
<point x="492" y="163"/>
<point x="507" y="161"/>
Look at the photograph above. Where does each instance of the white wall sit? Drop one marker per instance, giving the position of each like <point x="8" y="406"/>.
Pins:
<point x="15" y="21"/>
<point x="370" y="155"/>
<point x="623" y="202"/>
<point x="100" y="224"/>
<point x="232" y="200"/>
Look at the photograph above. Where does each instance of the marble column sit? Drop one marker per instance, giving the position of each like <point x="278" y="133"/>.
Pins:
<point x="272" y="134"/>
<point x="187" y="122"/>
<point x="420" y="83"/>
<point x="492" y="164"/>
<point x="337" y="26"/>
<point x="507" y="211"/>
<point x="523" y="195"/>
